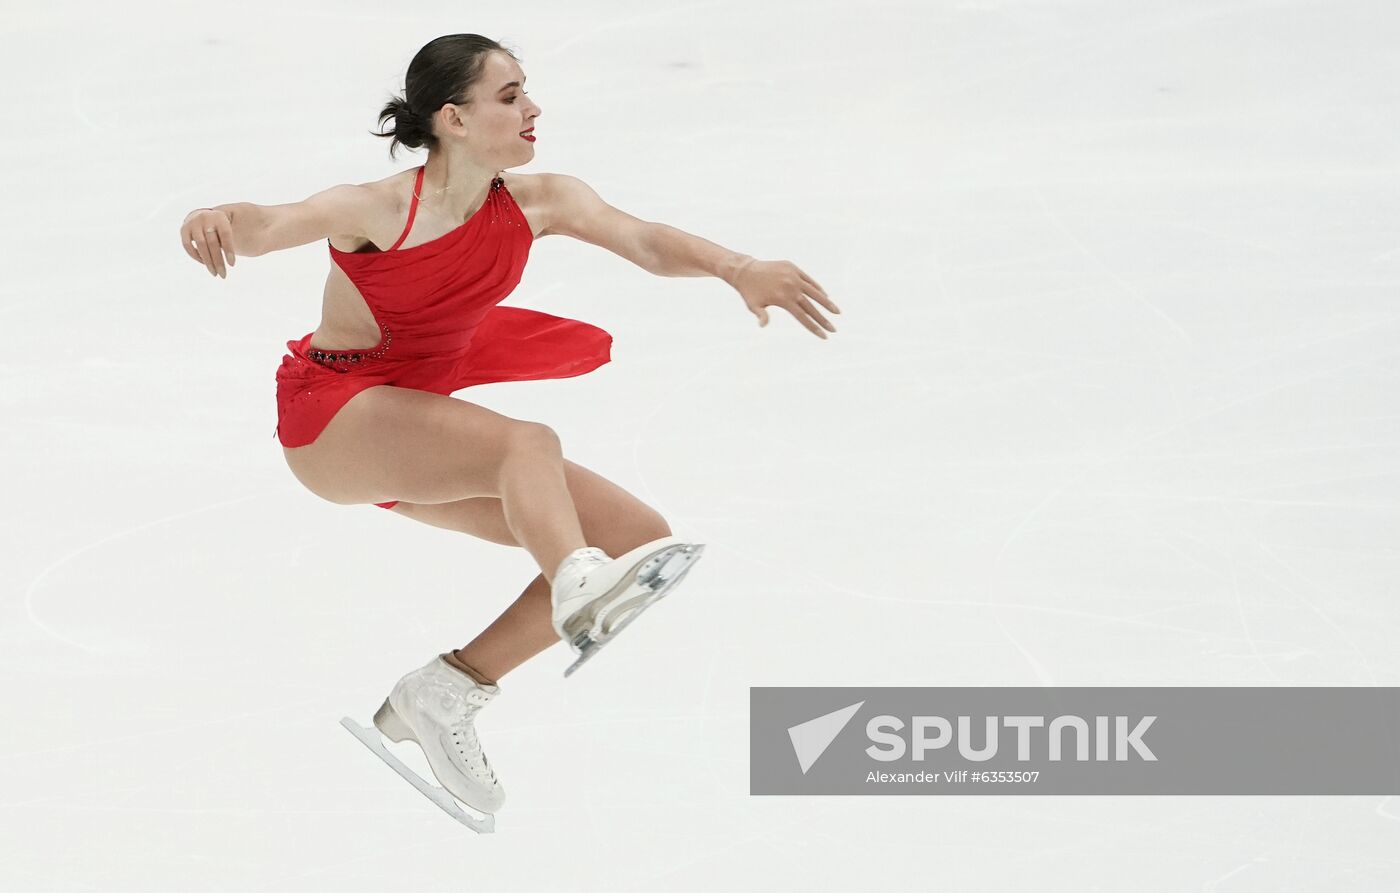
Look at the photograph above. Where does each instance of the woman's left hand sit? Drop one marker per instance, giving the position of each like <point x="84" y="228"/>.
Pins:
<point x="780" y="283"/>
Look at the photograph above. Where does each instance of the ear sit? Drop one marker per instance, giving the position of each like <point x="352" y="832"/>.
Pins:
<point x="452" y="116"/>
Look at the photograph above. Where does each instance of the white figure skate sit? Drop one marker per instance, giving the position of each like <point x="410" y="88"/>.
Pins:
<point x="435" y="706"/>
<point x="595" y="597"/>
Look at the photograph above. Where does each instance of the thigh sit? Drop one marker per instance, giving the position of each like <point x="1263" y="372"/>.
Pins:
<point x="612" y="519"/>
<point x="389" y="443"/>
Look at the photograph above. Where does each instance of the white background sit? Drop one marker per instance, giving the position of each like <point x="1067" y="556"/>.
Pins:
<point x="1112" y="403"/>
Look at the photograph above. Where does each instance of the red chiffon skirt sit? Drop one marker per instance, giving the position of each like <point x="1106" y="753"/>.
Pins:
<point x="510" y="344"/>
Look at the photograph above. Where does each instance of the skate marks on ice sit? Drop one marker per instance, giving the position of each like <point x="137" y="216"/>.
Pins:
<point x="369" y="736"/>
<point x="658" y="577"/>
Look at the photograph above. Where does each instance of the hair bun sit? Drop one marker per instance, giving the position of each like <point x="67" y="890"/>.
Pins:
<point x="444" y="70"/>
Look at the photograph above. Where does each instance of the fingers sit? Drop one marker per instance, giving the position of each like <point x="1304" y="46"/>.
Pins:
<point x="208" y="239"/>
<point x="811" y="326"/>
<point x="801" y="306"/>
<point x="226" y="240"/>
<point x="815" y="314"/>
<point x="186" y="238"/>
<point x="201" y="245"/>
<point x="818" y="292"/>
<point x="809" y="315"/>
<point x="216" y="251"/>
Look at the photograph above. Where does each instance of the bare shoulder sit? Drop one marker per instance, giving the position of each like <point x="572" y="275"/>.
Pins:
<point x="380" y="206"/>
<point x="523" y="185"/>
<point x="556" y="201"/>
<point x="371" y="206"/>
<point x="570" y="207"/>
<point x="530" y="192"/>
<point x="390" y="194"/>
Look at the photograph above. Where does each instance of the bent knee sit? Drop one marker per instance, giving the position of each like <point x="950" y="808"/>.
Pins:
<point x="534" y="437"/>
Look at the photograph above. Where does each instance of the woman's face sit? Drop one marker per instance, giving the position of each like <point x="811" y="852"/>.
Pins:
<point x="499" y="112"/>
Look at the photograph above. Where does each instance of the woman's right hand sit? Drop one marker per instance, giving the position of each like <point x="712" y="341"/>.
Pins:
<point x="207" y="236"/>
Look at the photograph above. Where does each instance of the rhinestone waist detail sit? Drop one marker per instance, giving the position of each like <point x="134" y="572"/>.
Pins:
<point x="335" y="359"/>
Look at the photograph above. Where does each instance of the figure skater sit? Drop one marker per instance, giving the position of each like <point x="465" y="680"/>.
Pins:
<point x="363" y="406"/>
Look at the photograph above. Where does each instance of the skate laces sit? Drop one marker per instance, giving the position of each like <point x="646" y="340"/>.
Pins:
<point x="464" y="729"/>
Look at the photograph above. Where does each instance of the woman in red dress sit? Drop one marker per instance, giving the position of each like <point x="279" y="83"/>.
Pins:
<point x="364" y="412"/>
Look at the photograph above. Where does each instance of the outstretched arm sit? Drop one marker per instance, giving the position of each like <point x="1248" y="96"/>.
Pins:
<point x="215" y="236"/>
<point x="574" y="209"/>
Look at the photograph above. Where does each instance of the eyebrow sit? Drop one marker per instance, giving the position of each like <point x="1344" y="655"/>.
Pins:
<point x="511" y="84"/>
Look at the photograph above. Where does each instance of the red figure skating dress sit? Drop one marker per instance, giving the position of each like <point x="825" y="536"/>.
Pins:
<point x="441" y="328"/>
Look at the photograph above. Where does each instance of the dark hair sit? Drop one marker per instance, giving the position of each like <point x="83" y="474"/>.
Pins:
<point x="443" y="71"/>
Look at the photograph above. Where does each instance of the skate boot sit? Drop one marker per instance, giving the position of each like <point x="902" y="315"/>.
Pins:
<point x="595" y="597"/>
<point x="435" y="706"/>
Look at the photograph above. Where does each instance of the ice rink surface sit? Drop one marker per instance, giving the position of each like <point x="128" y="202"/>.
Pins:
<point x="1112" y="402"/>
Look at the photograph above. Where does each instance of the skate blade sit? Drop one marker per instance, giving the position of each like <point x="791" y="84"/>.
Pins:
<point x="369" y="737"/>
<point x="664" y="580"/>
<point x="590" y="621"/>
<point x="658" y="583"/>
